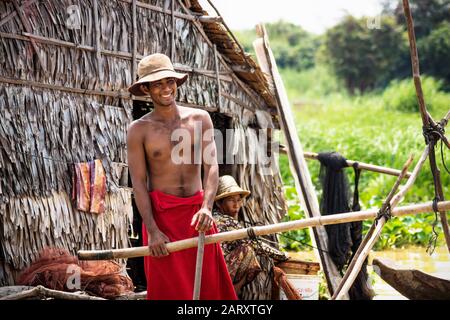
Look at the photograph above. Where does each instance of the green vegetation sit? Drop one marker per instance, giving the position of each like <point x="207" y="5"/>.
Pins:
<point x="351" y="92"/>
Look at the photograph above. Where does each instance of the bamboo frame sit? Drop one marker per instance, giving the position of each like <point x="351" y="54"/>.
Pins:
<point x="261" y="230"/>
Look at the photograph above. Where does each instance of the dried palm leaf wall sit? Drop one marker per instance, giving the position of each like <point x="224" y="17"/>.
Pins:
<point x="63" y="100"/>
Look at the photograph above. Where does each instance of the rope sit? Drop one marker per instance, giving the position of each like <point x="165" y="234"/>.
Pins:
<point x="433" y="239"/>
<point x="385" y="212"/>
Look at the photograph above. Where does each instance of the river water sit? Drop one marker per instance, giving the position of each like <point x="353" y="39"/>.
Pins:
<point x="438" y="264"/>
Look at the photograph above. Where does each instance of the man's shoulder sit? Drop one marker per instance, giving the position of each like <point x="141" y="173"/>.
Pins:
<point x="139" y="125"/>
<point x="194" y="112"/>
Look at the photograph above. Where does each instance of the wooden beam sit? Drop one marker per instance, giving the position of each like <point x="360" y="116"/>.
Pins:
<point x="172" y="35"/>
<point x="219" y="86"/>
<point x="361" y="165"/>
<point x="224" y="76"/>
<point x="97" y="42"/>
<point x="299" y="168"/>
<point x="116" y="94"/>
<point x="134" y="42"/>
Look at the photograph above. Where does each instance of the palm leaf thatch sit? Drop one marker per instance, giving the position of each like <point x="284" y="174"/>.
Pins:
<point x="64" y="70"/>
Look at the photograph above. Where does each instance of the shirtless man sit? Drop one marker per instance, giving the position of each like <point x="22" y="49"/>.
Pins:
<point x="155" y="172"/>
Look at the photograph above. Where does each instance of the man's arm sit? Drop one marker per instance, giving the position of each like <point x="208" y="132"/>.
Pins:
<point x="138" y="171"/>
<point x="203" y="220"/>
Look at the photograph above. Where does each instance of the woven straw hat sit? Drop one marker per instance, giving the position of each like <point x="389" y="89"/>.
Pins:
<point x="153" y="68"/>
<point x="229" y="187"/>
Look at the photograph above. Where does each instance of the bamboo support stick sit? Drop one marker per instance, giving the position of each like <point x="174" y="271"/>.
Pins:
<point x="256" y="99"/>
<point x="134" y="43"/>
<point x="261" y="230"/>
<point x="361" y="165"/>
<point x="41" y="291"/>
<point x="199" y="266"/>
<point x="219" y="87"/>
<point x="116" y="94"/>
<point x="97" y="42"/>
<point x="370" y="239"/>
<point x="230" y="32"/>
<point x="425" y="119"/>
<point x="172" y="35"/>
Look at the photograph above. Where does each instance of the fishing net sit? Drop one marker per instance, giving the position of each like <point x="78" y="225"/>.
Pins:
<point x="57" y="269"/>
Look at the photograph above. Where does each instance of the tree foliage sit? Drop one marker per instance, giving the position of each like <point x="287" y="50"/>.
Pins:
<point x="364" y="57"/>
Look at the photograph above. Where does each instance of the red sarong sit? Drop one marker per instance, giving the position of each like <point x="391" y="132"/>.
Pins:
<point x="172" y="277"/>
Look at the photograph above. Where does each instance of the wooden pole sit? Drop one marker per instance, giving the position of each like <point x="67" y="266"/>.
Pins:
<point x="299" y="168"/>
<point x="370" y="239"/>
<point x="172" y="35"/>
<point x="98" y="49"/>
<point x="134" y="43"/>
<point x="219" y="87"/>
<point x="439" y="194"/>
<point x="361" y="165"/>
<point x="199" y="266"/>
<point x="260" y="231"/>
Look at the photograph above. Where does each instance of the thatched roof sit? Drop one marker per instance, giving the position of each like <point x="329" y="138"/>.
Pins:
<point x="64" y="100"/>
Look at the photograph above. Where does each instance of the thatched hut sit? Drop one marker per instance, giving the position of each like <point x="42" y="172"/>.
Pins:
<point x="64" y="69"/>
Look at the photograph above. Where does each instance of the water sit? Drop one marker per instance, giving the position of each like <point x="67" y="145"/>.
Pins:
<point x="437" y="265"/>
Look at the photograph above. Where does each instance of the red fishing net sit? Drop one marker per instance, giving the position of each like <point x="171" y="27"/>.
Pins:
<point x="59" y="270"/>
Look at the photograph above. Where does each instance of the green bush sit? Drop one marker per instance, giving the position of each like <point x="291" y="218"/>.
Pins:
<point x="401" y="96"/>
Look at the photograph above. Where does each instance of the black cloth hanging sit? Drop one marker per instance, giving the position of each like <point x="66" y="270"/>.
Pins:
<point x="344" y="238"/>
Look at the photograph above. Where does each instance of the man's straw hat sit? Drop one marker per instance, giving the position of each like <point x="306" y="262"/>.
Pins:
<point x="229" y="187"/>
<point x="153" y="68"/>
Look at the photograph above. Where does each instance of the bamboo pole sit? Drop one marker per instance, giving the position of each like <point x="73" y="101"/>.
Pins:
<point x="439" y="194"/>
<point x="299" y="168"/>
<point x="116" y="94"/>
<point x="134" y="43"/>
<point x="260" y="231"/>
<point x="219" y="87"/>
<point x="172" y="35"/>
<point x="230" y="32"/>
<point x="370" y="239"/>
<point x="97" y="42"/>
<point x="361" y="165"/>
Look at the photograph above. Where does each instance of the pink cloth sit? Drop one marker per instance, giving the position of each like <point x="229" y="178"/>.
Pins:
<point x="172" y="277"/>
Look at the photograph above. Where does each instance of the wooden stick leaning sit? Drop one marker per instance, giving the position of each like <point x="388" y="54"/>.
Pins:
<point x="426" y="121"/>
<point x="372" y="236"/>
